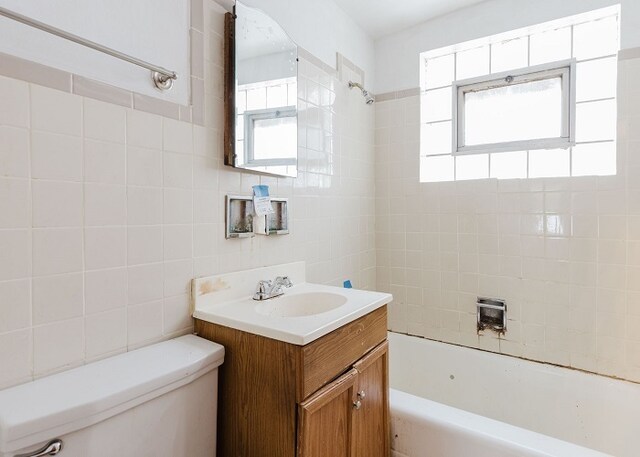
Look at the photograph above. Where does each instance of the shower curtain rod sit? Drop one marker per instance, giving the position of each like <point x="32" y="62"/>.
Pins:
<point x="162" y="78"/>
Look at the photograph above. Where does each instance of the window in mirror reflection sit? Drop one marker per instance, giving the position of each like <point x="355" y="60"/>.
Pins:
<point x="266" y="127"/>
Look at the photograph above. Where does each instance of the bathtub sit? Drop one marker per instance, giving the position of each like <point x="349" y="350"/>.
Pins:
<point x="451" y="401"/>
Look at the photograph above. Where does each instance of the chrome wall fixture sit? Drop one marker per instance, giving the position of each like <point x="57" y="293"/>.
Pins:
<point x="368" y="98"/>
<point x="162" y="78"/>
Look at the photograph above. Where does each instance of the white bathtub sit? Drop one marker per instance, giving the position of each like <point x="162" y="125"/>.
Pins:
<point x="450" y="401"/>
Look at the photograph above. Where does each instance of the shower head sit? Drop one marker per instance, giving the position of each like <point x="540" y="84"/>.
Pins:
<point x="368" y="98"/>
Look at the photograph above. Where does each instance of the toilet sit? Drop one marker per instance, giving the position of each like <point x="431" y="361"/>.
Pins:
<point x="158" y="401"/>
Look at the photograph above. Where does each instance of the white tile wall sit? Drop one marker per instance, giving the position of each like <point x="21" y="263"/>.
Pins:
<point x="563" y="252"/>
<point x="106" y="213"/>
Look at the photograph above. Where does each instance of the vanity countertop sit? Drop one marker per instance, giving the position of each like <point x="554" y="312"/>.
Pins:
<point x="258" y="317"/>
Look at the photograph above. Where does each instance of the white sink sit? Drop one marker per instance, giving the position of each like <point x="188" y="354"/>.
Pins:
<point x="305" y="304"/>
<point x="304" y="313"/>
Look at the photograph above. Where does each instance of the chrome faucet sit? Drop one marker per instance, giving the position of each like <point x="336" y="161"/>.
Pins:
<point x="270" y="289"/>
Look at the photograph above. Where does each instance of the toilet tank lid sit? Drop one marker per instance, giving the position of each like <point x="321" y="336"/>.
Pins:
<point x="65" y="402"/>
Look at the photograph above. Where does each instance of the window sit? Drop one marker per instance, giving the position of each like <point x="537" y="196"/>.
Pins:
<point x="270" y="136"/>
<point x="534" y="102"/>
<point x="267" y="110"/>
<point x="529" y="108"/>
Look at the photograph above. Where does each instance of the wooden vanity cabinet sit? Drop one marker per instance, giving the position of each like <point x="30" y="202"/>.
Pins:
<point x="328" y="398"/>
<point x="350" y="416"/>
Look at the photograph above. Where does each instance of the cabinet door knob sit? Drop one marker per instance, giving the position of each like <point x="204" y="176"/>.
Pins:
<point x="361" y="394"/>
<point x="357" y="404"/>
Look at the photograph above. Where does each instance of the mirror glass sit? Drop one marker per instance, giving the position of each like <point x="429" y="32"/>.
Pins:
<point x="265" y="93"/>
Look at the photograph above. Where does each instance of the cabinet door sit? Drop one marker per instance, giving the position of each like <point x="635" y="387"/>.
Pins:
<point x="371" y="416"/>
<point x="324" y="420"/>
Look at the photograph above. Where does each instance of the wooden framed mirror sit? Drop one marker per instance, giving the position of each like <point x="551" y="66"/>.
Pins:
<point x="261" y="94"/>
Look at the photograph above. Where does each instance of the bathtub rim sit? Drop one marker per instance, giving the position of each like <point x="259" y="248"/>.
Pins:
<point x="411" y="407"/>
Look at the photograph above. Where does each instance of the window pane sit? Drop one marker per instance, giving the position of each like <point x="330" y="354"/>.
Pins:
<point x="596" y="121"/>
<point x="511" y="113"/>
<point x="275" y="138"/>
<point x="550" y="46"/>
<point x="548" y="163"/>
<point x="474" y="166"/>
<point x="257" y="98"/>
<point x="595" y="38"/>
<point x="594" y="159"/>
<point x="474" y="62"/>
<point x="292" y="94"/>
<point x="509" y="165"/>
<point x="439" y="72"/>
<point x="436" y="105"/>
<point x="435" y="138"/>
<point x="437" y="168"/>
<point x="240" y="128"/>
<point x="596" y="79"/>
<point x="277" y="96"/>
<point x="241" y="101"/>
<point x="509" y="55"/>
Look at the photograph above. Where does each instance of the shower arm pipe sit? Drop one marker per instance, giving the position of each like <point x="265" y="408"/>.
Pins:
<point x="162" y="78"/>
<point x="358" y="85"/>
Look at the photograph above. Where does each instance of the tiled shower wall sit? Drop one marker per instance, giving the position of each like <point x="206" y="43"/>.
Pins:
<point x="563" y="252"/>
<point x="106" y="213"/>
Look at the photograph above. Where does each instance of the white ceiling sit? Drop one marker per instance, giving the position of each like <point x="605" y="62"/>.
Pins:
<point x="383" y="17"/>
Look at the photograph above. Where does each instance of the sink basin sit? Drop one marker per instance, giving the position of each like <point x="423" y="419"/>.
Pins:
<point x="301" y="305"/>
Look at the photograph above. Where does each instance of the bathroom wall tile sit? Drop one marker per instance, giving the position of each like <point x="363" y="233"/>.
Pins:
<point x="178" y="242"/>
<point x="144" y="166"/>
<point x="57" y="251"/>
<point x="144" y="244"/>
<point x="104" y="121"/>
<point x="177" y="136"/>
<point x="207" y="206"/>
<point x="57" y="346"/>
<point x="15" y="306"/>
<point x="56" y="156"/>
<point x="144" y="205"/>
<point x="16" y="350"/>
<point x="55" y="111"/>
<point x="15" y="203"/>
<point x="105" y="247"/>
<point x="57" y="298"/>
<point x="144" y="283"/>
<point x="105" y="290"/>
<point x="16" y="248"/>
<point x="576" y="244"/>
<point x="14" y="152"/>
<point x="177" y="170"/>
<point x="144" y="130"/>
<point x="57" y="204"/>
<point x="99" y="147"/>
<point x="104" y="162"/>
<point x="14" y="98"/>
<point x="177" y="277"/>
<point x="178" y="206"/>
<point x="96" y="90"/>
<point x="156" y="106"/>
<point x="176" y="314"/>
<point x="105" y="205"/>
<point x="144" y="322"/>
<point x="30" y="71"/>
<point x="105" y="332"/>
<point x="205" y="173"/>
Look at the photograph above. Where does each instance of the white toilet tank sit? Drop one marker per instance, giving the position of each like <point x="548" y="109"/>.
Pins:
<point x="158" y="401"/>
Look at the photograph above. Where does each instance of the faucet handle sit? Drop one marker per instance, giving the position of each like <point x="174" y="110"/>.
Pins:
<point x="262" y="289"/>
<point x="285" y="281"/>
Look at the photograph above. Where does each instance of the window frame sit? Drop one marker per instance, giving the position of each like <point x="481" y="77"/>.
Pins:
<point x="566" y="69"/>
<point x="259" y="115"/>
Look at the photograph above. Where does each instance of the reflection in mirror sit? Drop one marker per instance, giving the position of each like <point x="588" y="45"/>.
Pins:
<point x="261" y="94"/>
